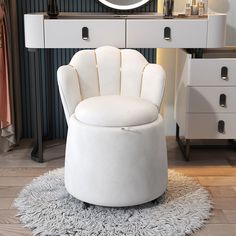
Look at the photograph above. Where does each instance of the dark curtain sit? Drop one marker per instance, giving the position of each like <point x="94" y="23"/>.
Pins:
<point x="10" y="96"/>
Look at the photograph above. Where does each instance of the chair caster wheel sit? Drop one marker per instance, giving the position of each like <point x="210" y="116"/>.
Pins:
<point x="85" y="205"/>
<point x="155" y="201"/>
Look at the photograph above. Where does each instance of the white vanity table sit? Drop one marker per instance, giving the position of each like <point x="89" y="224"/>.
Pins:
<point x="124" y="31"/>
<point x="137" y="30"/>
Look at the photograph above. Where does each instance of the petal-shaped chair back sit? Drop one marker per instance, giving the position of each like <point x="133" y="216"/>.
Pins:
<point x="109" y="71"/>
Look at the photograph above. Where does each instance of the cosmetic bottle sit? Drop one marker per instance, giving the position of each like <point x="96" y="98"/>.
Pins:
<point x="201" y="9"/>
<point x="205" y="7"/>
<point x="188" y="9"/>
<point x="194" y="8"/>
<point x="168" y="8"/>
<point x="53" y="11"/>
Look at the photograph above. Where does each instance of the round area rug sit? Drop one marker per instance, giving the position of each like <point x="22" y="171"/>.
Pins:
<point x="48" y="209"/>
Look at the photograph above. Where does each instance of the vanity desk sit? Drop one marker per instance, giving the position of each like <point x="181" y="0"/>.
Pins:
<point x="147" y="30"/>
<point x="137" y="30"/>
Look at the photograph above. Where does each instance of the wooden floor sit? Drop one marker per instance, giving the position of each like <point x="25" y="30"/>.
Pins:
<point x="214" y="169"/>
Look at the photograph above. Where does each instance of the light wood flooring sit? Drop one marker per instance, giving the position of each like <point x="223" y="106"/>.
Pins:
<point x="214" y="169"/>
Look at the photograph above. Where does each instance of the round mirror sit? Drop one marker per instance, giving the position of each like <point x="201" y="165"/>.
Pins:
<point x="124" y="4"/>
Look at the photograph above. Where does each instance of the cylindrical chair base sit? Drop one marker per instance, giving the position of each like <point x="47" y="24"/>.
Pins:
<point x="116" y="166"/>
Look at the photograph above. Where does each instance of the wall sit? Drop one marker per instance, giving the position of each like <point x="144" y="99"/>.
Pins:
<point x="167" y="57"/>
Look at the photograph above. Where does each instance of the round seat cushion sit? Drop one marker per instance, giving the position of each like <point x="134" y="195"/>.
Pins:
<point x="116" y="111"/>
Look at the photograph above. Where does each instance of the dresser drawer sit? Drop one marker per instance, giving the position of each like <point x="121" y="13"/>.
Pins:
<point x="206" y="126"/>
<point x="213" y="72"/>
<point x="154" y="33"/>
<point x="68" y="33"/>
<point x="211" y="99"/>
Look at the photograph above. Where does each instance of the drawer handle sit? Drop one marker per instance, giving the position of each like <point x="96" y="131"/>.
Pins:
<point x="223" y="100"/>
<point x="224" y="73"/>
<point x="221" y="126"/>
<point x="85" y="33"/>
<point x="167" y="33"/>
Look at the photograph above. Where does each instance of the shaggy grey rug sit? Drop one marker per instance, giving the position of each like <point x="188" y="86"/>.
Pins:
<point x="46" y="207"/>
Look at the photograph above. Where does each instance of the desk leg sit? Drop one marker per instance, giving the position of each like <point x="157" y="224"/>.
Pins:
<point x="36" y="91"/>
<point x="184" y="145"/>
<point x="50" y="81"/>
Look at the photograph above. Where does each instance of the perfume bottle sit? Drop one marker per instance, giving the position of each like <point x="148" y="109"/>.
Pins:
<point x="201" y="8"/>
<point x="194" y="8"/>
<point x="168" y="8"/>
<point x="205" y="7"/>
<point x="188" y="9"/>
<point x="53" y="11"/>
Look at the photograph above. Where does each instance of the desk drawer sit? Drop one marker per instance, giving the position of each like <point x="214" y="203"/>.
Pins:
<point x="68" y="33"/>
<point x="206" y="126"/>
<point x="211" y="99"/>
<point x="213" y="72"/>
<point x="182" y="34"/>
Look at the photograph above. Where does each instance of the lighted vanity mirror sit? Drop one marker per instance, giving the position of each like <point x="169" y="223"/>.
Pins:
<point x="124" y="4"/>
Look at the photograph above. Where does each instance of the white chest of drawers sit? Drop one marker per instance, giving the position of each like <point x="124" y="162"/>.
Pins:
<point x="205" y="95"/>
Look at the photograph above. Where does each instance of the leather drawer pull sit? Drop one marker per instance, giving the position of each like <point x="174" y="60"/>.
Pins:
<point x="167" y="33"/>
<point x="85" y="33"/>
<point x="223" y="100"/>
<point x="221" y="126"/>
<point x="224" y="73"/>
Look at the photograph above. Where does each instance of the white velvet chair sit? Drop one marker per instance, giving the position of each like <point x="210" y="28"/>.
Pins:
<point x="116" y="150"/>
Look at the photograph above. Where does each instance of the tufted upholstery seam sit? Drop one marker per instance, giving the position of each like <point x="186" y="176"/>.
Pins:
<point x="163" y="93"/>
<point x="141" y="83"/>
<point x="64" y="98"/>
<point x="98" y="78"/>
<point x="77" y="74"/>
